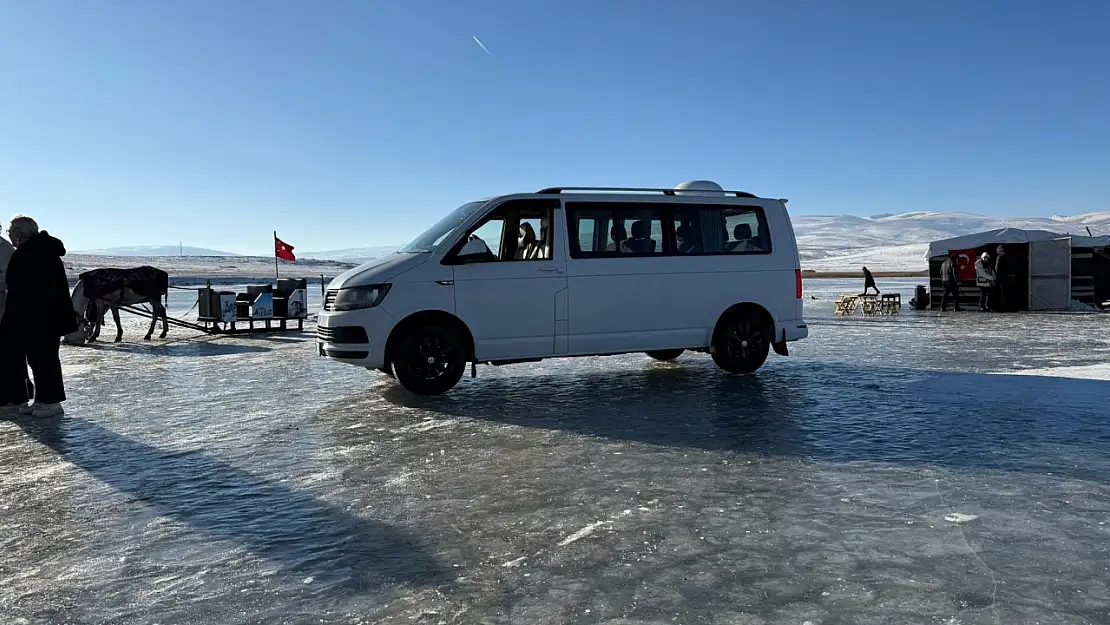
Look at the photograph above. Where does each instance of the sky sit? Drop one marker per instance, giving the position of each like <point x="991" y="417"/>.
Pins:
<point x="350" y="123"/>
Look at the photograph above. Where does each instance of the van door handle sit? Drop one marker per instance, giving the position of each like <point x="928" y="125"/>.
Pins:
<point x="548" y="268"/>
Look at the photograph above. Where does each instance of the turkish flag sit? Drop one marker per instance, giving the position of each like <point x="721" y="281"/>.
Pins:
<point x="967" y="264"/>
<point x="283" y="250"/>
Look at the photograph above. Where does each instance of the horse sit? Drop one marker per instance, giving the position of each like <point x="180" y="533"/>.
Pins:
<point x="100" y="290"/>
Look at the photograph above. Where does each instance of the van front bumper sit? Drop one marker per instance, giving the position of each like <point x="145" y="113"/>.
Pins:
<point x="354" y="337"/>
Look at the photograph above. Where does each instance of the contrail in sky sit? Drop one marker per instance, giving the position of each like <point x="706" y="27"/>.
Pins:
<point x="481" y="45"/>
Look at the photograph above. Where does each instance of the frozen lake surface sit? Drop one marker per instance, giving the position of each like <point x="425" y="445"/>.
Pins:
<point x="923" y="468"/>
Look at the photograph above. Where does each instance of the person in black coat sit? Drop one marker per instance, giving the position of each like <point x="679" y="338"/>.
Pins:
<point x="869" y="282"/>
<point x="950" y="280"/>
<point x="39" y="309"/>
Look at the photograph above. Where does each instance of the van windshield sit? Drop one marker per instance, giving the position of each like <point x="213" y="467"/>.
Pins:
<point x="435" y="235"/>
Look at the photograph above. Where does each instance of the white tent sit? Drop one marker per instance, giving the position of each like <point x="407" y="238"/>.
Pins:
<point x="990" y="237"/>
<point x="1047" y="277"/>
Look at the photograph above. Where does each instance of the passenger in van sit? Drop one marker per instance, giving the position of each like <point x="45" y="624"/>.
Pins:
<point x="641" y="241"/>
<point x="743" y="243"/>
<point x="685" y="239"/>
<point x="527" y="247"/>
<point x="618" y="234"/>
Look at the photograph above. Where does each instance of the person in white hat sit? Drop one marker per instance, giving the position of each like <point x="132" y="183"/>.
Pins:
<point x="984" y="279"/>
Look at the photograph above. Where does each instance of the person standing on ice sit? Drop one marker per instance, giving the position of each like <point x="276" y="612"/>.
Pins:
<point x="950" y="280"/>
<point x="869" y="282"/>
<point x="984" y="277"/>
<point x="1004" y="272"/>
<point x="13" y="371"/>
<point x="39" y="307"/>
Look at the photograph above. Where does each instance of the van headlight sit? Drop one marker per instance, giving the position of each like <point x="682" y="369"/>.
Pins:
<point x="359" y="297"/>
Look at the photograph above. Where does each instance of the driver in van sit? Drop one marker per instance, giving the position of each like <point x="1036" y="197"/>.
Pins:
<point x="527" y="247"/>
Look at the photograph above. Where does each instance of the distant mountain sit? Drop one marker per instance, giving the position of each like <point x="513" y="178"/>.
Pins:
<point x="154" y="250"/>
<point x="352" y="255"/>
<point x="897" y="242"/>
<point x="886" y="242"/>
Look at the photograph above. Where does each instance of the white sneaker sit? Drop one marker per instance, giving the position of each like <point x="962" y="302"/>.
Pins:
<point x="47" y="410"/>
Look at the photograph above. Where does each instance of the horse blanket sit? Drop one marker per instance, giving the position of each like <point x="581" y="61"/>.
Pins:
<point x="146" y="281"/>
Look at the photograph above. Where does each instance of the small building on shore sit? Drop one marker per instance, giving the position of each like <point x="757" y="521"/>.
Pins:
<point x="1053" y="269"/>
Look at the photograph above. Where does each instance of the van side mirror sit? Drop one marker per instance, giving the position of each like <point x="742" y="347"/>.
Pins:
<point x="474" y="250"/>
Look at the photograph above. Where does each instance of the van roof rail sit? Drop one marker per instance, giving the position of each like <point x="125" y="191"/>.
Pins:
<point x="553" y="190"/>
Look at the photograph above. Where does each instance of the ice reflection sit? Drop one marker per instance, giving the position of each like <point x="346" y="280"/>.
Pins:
<point x="301" y="534"/>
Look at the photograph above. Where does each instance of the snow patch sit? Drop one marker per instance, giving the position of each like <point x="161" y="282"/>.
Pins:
<point x="582" y="533"/>
<point x="425" y="426"/>
<point x="1078" y="372"/>
<point x="959" y="517"/>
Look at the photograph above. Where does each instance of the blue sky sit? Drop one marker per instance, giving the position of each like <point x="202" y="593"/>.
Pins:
<point x="351" y="123"/>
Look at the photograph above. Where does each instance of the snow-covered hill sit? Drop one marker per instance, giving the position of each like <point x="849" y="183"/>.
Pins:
<point x="154" y="250"/>
<point x="352" y="255"/>
<point x="196" y="269"/>
<point x="888" y="242"/>
<point x="898" y="242"/>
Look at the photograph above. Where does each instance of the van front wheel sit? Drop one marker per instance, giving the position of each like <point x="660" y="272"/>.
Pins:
<point x="429" y="360"/>
<point x="665" y="355"/>
<point x="741" y="343"/>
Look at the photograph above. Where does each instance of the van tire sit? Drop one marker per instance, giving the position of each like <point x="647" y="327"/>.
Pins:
<point x="428" y="360"/>
<point x="741" y="342"/>
<point x="665" y="355"/>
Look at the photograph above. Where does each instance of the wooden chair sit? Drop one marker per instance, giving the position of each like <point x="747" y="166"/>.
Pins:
<point x="869" y="305"/>
<point x="891" y="303"/>
<point x="847" y="304"/>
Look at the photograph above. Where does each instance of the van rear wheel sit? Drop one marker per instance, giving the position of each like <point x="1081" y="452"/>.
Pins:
<point x="741" y="343"/>
<point x="665" y="355"/>
<point x="429" y="360"/>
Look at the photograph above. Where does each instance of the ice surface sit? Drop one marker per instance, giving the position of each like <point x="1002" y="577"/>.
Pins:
<point x="204" y="480"/>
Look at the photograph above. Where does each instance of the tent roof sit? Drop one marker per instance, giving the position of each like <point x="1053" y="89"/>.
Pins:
<point x="1103" y="241"/>
<point x="991" y="237"/>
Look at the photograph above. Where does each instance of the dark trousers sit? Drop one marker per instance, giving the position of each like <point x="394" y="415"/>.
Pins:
<point x="42" y="357"/>
<point x="13" y="368"/>
<point x="985" y="297"/>
<point x="953" y="289"/>
<point x="1003" y="293"/>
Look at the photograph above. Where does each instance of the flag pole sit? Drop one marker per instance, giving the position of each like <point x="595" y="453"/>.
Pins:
<point x="277" y="275"/>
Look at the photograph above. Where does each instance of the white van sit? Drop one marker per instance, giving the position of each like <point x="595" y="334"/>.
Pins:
<point x="574" y="272"/>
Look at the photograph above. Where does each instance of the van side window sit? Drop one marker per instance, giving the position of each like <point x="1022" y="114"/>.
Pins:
<point x="615" y="229"/>
<point x="745" y="227"/>
<point x="607" y="230"/>
<point x="717" y="229"/>
<point x="518" y="230"/>
<point x="688" y="230"/>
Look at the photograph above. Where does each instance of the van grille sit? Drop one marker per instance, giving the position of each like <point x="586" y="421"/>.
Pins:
<point x="329" y="298"/>
<point x="342" y="334"/>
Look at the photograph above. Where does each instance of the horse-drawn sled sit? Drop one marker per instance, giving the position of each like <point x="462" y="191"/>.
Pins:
<point x="261" y="303"/>
<point x="219" y="312"/>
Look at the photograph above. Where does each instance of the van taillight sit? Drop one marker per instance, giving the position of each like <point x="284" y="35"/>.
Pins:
<point x="798" y="283"/>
